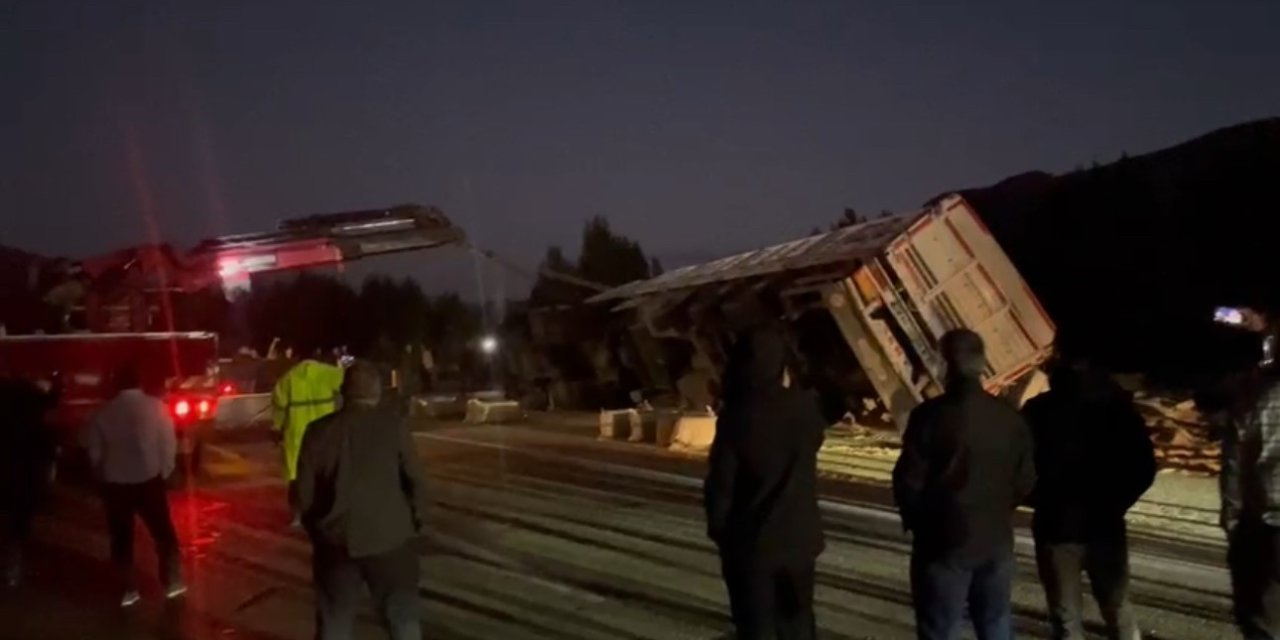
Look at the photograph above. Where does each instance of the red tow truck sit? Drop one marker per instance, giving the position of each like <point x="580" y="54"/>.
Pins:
<point x="175" y="365"/>
<point x="116" y="310"/>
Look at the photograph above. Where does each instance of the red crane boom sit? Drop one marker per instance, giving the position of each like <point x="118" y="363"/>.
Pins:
<point x="119" y="291"/>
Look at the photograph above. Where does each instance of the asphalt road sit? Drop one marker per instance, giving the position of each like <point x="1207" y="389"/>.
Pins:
<point x="536" y="533"/>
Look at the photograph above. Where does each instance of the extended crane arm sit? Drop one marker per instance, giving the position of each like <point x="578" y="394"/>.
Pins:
<point x="533" y="274"/>
<point x="326" y="239"/>
<point x="114" y="288"/>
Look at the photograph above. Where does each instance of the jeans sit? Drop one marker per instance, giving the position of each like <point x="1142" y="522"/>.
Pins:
<point x="392" y="578"/>
<point x="1107" y="563"/>
<point x="1253" y="555"/>
<point x="150" y="502"/>
<point x="770" y="602"/>
<point x="941" y="590"/>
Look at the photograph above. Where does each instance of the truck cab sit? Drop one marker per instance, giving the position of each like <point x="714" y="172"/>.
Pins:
<point x="178" y="368"/>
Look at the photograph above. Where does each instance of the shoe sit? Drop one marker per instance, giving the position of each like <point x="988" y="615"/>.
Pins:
<point x="130" y="598"/>
<point x="175" y="590"/>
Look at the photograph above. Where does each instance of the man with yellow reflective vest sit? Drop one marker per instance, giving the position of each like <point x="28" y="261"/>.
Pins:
<point x="307" y="392"/>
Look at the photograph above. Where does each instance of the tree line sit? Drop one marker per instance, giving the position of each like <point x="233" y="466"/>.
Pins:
<point x="383" y="316"/>
<point x="378" y="319"/>
<point x="604" y="257"/>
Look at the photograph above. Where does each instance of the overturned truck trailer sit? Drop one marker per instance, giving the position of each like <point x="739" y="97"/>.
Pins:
<point x="890" y="288"/>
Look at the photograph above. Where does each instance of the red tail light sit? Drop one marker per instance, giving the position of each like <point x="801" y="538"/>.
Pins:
<point x="203" y="408"/>
<point x="182" y="408"/>
<point x="227" y="389"/>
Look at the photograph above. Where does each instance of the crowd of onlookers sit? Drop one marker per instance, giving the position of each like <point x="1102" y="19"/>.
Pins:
<point x="1079" y="454"/>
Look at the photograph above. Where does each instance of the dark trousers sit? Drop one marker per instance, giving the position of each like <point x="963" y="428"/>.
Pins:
<point x="941" y="590"/>
<point x="1253" y="555"/>
<point x="149" y="502"/>
<point x="1061" y="567"/>
<point x="15" y="529"/>
<point x="772" y="601"/>
<point x="392" y="578"/>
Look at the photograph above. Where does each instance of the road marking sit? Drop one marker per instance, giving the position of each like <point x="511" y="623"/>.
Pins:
<point x="1206" y="576"/>
<point x="230" y="463"/>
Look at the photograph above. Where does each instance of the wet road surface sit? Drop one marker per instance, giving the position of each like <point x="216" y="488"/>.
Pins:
<point x="535" y="534"/>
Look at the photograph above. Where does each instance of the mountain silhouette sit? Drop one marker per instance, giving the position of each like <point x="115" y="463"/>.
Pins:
<point x="1132" y="257"/>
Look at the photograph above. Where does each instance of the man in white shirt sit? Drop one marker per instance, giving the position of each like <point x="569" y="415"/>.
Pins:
<point x="132" y="446"/>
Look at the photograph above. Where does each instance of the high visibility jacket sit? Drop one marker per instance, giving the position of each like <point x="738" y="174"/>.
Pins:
<point x="308" y="392"/>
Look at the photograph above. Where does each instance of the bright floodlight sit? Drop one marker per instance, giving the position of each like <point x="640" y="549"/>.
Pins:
<point x="489" y="344"/>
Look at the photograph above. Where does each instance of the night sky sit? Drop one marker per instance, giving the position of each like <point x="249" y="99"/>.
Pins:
<point x="699" y="128"/>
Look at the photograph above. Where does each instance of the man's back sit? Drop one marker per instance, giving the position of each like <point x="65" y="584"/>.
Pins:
<point x="1093" y="457"/>
<point x="26" y="444"/>
<point x="766" y="501"/>
<point x="132" y="439"/>
<point x="306" y="393"/>
<point x="965" y="465"/>
<point x="360" y="481"/>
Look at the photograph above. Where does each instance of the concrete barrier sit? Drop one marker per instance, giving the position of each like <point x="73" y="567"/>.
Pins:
<point x="438" y="407"/>
<point x="665" y="428"/>
<point x="501" y="411"/>
<point x="619" y="424"/>
<point x="242" y="411"/>
<point x="694" y="432"/>
<point x="647" y="430"/>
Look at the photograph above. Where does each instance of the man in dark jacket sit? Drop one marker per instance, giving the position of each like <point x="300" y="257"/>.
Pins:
<point x="761" y="493"/>
<point x="966" y="464"/>
<point x="27" y="451"/>
<point x="360" y="492"/>
<point x="1094" y="460"/>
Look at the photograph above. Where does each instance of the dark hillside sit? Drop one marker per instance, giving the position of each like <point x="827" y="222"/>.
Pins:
<point x="1134" y="255"/>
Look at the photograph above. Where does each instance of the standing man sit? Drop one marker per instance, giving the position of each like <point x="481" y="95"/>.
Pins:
<point x="304" y="394"/>
<point x="27" y="449"/>
<point x="1250" y="483"/>
<point x="966" y="464"/>
<point x="131" y="444"/>
<point x="761" y="494"/>
<point x="361" y="494"/>
<point x="1093" y="460"/>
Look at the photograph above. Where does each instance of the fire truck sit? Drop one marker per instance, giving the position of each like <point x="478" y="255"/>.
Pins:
<point x="116" y="310"/>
